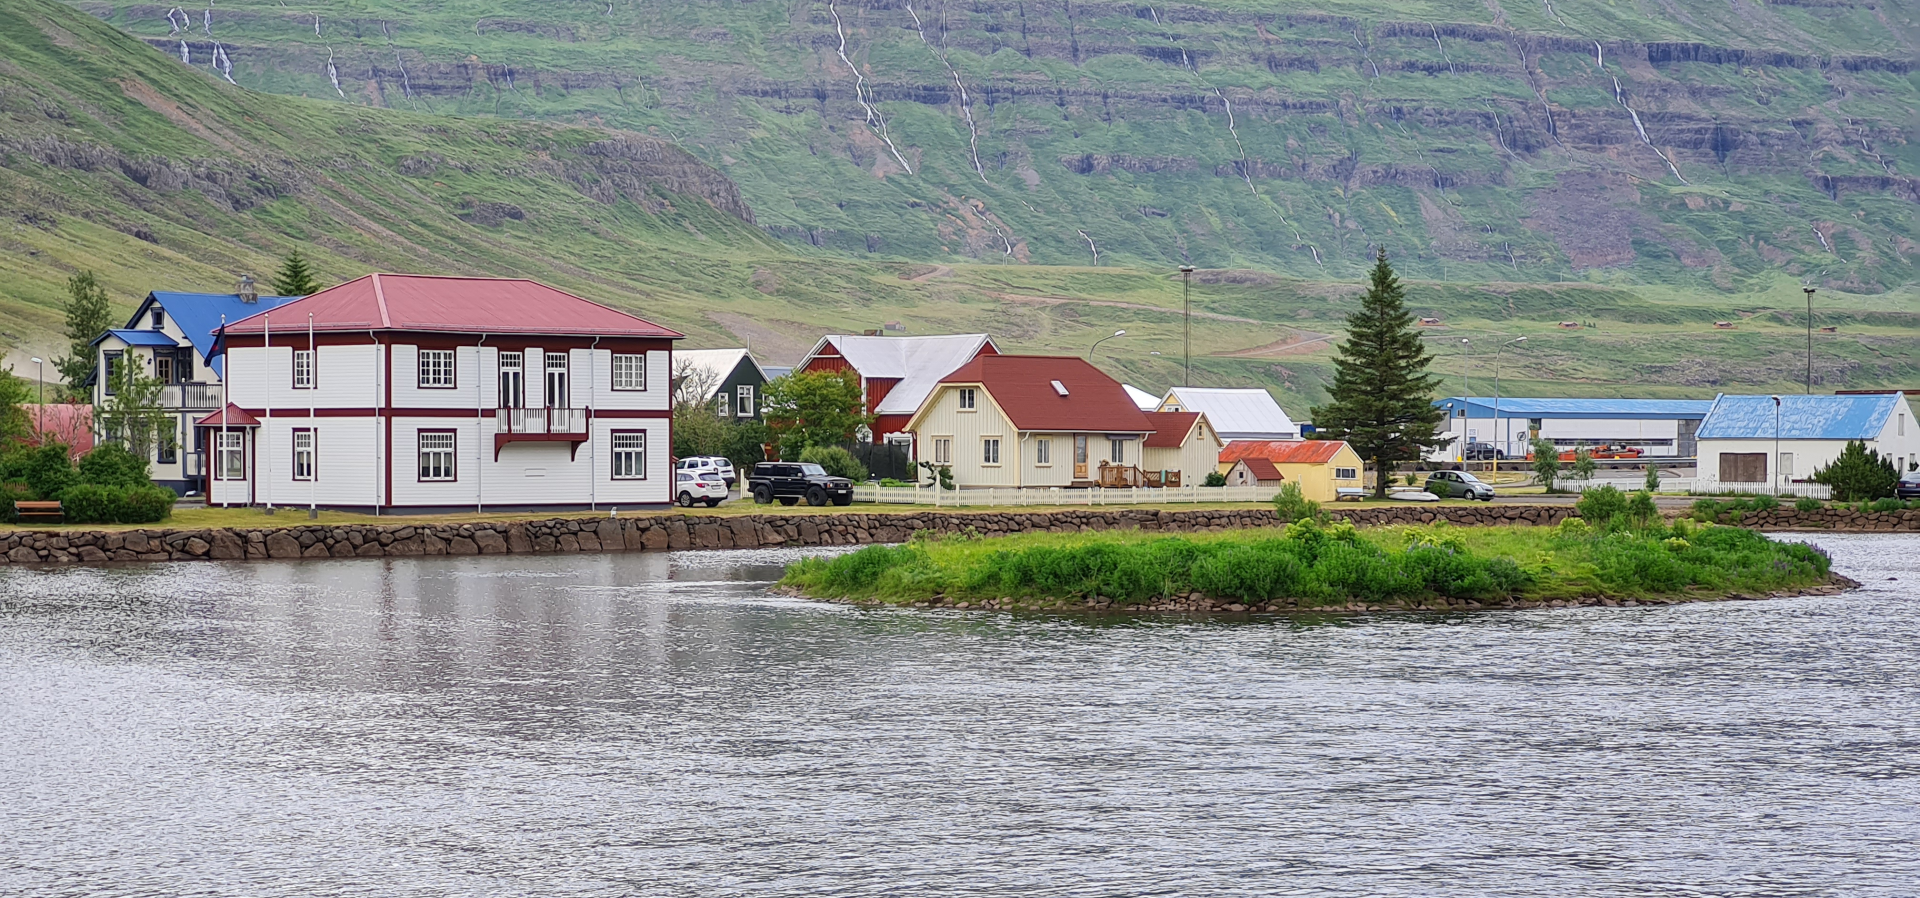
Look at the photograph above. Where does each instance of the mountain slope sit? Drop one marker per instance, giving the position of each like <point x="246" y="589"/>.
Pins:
<point x="1688" y="143"/>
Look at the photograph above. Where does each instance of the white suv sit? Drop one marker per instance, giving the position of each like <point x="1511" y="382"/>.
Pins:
<point x="690" y="487"/>
<point x="703" y="464"/>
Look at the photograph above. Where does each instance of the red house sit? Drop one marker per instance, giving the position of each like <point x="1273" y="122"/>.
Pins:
<point x="897" y="374"/>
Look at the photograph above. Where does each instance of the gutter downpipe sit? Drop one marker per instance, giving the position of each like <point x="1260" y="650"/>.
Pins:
<point x="379" y="458"/>
<point x="266" y="343"/>
<point x="313" y="420"/>
<point x="593" y="448"/>
<point x="226" y="372"/>
<point x="479" y="428"/>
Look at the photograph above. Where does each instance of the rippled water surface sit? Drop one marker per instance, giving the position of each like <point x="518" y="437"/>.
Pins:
<point x="659" y="725"/>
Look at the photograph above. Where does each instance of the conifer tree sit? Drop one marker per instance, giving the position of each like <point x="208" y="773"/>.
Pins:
<point x="1382" y="396"/>
<point x="295" y="277"/>
<point x="88" y="314"/>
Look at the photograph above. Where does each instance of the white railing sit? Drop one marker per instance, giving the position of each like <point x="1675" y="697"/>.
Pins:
<point x="541" y="420"/>
<point x="1015" y="497"/>
<point x="190" y="396"/>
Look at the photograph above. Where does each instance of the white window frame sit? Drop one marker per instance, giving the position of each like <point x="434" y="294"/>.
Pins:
<point x="629" y="454"/>
<point x="306" y="457"/>
<point x="1117" y="451"/>
<point x="230" y="455"/>
<point x="744" y="407"/>
<point x="1346" y="473"/>
<point x="990" y="452"/>
<point x="1043" y="452"/>
<point x="511" y="362"/>
<point x="723" y="405"/>
<point x="630" y="371"/>
<point x="943" y="450"/>
<point x="438" y="463"/>
<point x="967" y="399"/>
<point x="303" y="369"/>
<point x="436" y="369"/>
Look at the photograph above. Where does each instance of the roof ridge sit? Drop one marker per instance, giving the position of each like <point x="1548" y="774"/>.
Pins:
<point x="380" y="299"/>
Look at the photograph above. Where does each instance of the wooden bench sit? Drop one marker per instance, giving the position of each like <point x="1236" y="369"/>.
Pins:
<point x="40" y="510"/>
<point x="1353" y="493"/>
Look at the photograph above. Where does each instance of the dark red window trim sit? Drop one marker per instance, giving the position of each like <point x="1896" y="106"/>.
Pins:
<point x="417" y="477"/>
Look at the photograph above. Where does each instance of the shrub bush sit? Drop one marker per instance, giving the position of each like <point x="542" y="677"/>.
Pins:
<point x="110" y="464"/>
<point x="838" y="462"/>
<point x="1806" y="503"/>
<point x="1215" y="478"/>
<point x="1291" y="505"/>
<point x="1641" y="510"/>
<point x="45" y="469"/>
<point x="1859" y="474"/>
<point x="11" y="493"/>
<point x="1601" y="506"/>
<point x="93" y="503"/>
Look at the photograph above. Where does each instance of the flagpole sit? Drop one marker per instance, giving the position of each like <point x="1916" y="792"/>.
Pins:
<point x="226" y="375"/>
<point x="266" y="339"/>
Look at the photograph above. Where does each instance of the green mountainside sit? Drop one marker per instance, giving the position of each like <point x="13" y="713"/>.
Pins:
<point x="548" y="143"/>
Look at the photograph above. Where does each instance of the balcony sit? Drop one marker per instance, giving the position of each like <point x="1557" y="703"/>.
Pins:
<point x="539" y="425"/>
<point x="189" y="397"/>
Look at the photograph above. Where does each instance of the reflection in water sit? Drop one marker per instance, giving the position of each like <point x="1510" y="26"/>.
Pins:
<point x="654" y="724"/>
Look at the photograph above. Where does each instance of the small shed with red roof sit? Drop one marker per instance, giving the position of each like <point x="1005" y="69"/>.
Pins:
<point x="1255" y="471"/>
<point x="1321" y="467"/>
<point x="1182" y="450"/>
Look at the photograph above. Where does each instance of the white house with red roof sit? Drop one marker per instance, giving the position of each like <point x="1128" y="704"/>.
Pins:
<point x="1041" y="421"/>
<point x="1182" y="450"/>
<point x="897" y="374"/>
<point x="415" y="393"/>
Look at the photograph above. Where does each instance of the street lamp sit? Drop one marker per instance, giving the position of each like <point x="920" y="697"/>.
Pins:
<point x="1466" y="418"/>
<point x="1501" y="439"/>
<point x="1186" y="323"/>
<point x="1096" y="343"/>
<point x="1809" y="292"/>
<point x="1774" y="466"/>
<point x="40" y="411"/>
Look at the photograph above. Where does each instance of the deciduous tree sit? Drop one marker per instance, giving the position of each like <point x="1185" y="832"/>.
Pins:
<point x="131" y="411"/>
<point x="815" y="408"/>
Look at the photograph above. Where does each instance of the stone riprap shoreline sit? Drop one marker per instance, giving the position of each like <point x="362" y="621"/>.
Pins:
<point x="670" y="532"/>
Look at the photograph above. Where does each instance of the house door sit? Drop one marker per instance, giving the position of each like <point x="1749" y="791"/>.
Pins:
<point x="513" y="381"/>
<point x="1080" y="457"/>
<point x="557" y="380"/>
<point x="1743" y="467"/>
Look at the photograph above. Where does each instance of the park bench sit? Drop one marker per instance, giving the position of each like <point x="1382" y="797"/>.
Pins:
<point x="1353" y="493"/>
<point x="40" y="511"/>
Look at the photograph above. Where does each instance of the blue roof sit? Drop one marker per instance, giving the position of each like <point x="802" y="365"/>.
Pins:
<point x="1851" y="417"/>
<point x="1523" y="407"/>
<point x="139" y="338"/>
<point x="198" y="315"/>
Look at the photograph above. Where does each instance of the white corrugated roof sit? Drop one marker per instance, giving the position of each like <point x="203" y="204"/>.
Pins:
<point x="1236" y="414"/>
<point x="918" y="362"/>
<point x="1147" y="401"/>
<point x="716" y="363"/>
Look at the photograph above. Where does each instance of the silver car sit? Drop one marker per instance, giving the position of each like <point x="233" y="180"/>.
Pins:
<point x="1459" y="485"/>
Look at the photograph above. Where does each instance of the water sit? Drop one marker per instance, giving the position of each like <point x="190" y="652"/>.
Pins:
<point x="659" y="725"/>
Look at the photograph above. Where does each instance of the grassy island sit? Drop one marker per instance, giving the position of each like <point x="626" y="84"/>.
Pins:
<point x="1312" y="564"/>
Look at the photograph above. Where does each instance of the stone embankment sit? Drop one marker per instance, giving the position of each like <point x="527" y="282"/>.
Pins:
<point x="668" y="532"/>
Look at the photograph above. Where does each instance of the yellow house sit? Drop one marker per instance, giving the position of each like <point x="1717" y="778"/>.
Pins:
<point x="1029" y="421"/>
<point x="1184" y="445"/>
<point x="1321" y="467"/>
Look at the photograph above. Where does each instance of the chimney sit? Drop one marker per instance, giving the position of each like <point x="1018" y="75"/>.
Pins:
<point x="248" y="293"/>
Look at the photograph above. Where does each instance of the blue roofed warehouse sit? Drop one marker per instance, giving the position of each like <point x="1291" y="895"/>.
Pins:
<point x="1773" y="442"/>
<point x="1661" y="428"/>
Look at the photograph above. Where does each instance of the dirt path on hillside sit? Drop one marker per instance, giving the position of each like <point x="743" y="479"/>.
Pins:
<point x="1292" y="344"/>
<point x="1028" y="299"/>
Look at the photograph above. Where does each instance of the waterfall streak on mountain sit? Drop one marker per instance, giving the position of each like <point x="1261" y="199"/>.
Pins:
<point x="1555" y="14"/>
<point x="1823" y="242"/>
<point x="1095" y="249"/>
<point x="1366" y="55"/>
<point x="875" y="121"/>
<point x="184" y="21"/>
<point x="1443" y="49"/>
<point x="406" y="83"/>
<point x="333" y="75"/>
<point x="222" y="64"/>
<point x="206" y="19"/>
<point x="966" y="102"/>
<point x="1245" y="166"/>
<point x="316" y="24"/>
<point x="1620" y="96"/>
<point x="1599" y="57"/>
<point x="1498" y="133"/>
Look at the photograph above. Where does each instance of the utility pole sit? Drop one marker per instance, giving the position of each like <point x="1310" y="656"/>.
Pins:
<point x="1186" y="323"/>
<point x="1774" y="465"/>
<point x="1809" y="292"/>
<point x="1466" y="419"/>
<point x="1507" y="437"/>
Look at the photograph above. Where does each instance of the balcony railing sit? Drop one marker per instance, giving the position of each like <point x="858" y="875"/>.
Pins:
<point x="541" y="421"/>
<point x="190" y="396"/>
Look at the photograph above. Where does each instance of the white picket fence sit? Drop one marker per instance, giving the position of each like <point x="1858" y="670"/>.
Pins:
<point x="1689" y="485"/>
<point x="1013" y="497"/>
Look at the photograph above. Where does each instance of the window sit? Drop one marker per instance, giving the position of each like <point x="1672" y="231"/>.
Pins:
<point x="966" y="399"/>
<point x="1786" y="466"/>
<point x="724" y="404"/>
<point x="1743" y="467"/>
<point x="943" y="450"/>
<point x="1903" y="425"/>
<point x="1118" y="451"/>
<point x="513" y="381"/>
<point x="232" y="460"/>
<point x="990" y="451"/>
<point x="436" y="455"/>
<point x="1345" y="474"/>
<point x="744" y="408"/>
<point x="109" y="365"/>
<point x="303" y="453"/>
<point x="557" y="380"/>
<point x="629" y="371"/>
<point x="163" y="367"/>
<point x="629" y="455"/>
<point x="1043" y="452"/>
<point x="303" y="369"/>
<point x="157" y="319"/>
<point x="436" y="369"/>
<point x="168" y="450"/>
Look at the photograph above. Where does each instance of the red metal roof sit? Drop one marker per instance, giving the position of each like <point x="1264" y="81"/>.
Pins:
<point x="1023" y="387"/>
<point x="1262" y="469"/>
<point x="1170" y="429"/>
<point x="231" y="416"/>
<point x="464" y="305"/>
<point x="1282" y="452"/>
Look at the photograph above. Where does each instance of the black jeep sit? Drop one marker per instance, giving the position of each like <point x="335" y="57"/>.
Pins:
<point x="792" y="481"/>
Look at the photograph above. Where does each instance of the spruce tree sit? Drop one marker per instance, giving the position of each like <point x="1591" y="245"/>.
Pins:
<point x="1382" y="396"/>
<point x="88" y="315"/>
<point x="295" y="277"/>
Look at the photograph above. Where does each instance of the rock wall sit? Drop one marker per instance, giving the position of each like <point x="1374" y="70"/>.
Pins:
<point x="669" y="532"/>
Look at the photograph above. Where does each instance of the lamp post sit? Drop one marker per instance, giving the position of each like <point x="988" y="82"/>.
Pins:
<point x="1809" y="292"/>
<point x="1501" y="439"/>
<point x="1186" y="324"/>
<point x="1096" y="343"/>
<point x="40" y="410"/>
<point x="1466" y="417"/>
<point x="1774" y="466"/>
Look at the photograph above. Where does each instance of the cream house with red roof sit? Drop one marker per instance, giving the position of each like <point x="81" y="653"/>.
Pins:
<point x="1029" y="421"/>
<point x="1182" y="450"/>
<point x="405" y="392"/>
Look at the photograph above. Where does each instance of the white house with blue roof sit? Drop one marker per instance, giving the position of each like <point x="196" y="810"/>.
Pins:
<point x="1659" y="428"/>
<point x="1770" y="443"/>
<point x="171" y="337"/>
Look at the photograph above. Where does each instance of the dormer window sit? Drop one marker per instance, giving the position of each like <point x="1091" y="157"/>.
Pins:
<point x="157" y="319"/>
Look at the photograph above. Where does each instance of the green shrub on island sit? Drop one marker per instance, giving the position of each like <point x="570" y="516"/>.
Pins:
<point x="1309" y="564"/>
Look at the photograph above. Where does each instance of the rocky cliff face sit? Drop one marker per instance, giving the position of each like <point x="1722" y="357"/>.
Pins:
<point x="1706" y="145"/>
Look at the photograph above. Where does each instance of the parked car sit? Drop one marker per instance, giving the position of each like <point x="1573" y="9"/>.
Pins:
<point x="1909" y="487"/>
<point x="703" y="487"/>
<point x="1459" y="485"/>
<point x="698" y="464"/>
<point x="1484" y="452"/>
<point x="792" y="481"/>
